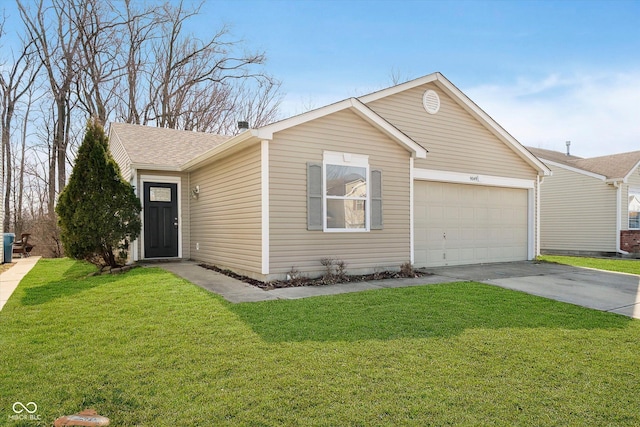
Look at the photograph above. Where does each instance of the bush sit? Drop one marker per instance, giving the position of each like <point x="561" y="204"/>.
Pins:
<point x="98" y="212"/>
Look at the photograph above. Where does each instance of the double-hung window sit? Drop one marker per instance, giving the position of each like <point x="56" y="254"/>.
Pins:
<point x="634" y="209"/>
<point x="345" y="192"/>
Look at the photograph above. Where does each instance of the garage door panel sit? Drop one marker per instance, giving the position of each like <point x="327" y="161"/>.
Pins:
<point x="466" y="224"/>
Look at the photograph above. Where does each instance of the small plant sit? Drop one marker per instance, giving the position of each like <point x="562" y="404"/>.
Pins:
<point x="295" y="277"/>
<point x="341" y="270"/>
<point x="406" y="270"/>
<point x="328" y="277"/>
<point x="335" y="271"/>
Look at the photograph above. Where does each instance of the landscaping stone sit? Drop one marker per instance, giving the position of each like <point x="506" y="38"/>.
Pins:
<point x="88" y="417"/>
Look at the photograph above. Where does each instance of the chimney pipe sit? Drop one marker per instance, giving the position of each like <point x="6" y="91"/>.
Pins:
<point x="568" y="145"/>
<point x="243" y="125"/>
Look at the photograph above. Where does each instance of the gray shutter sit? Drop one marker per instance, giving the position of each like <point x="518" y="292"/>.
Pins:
<point x="314" y="196"/>
<point x="376" y="200"/>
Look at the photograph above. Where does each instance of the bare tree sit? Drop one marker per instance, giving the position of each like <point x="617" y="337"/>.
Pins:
<point x="14" y="83"/>
<point x="99" y="58"/>
<point x="140" y="28"/>
<point x="54" y="31"/>
<point x="186" y="68"/>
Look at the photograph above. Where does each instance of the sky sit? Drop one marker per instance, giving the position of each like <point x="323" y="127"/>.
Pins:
<point x="547" y="71"/>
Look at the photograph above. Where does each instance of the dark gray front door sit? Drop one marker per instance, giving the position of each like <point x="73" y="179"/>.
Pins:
<point x="160" y="220"/>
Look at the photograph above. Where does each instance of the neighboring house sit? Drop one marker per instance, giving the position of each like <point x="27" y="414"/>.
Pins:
<point x="413" y="173"/>
<point x="590" y="205"/>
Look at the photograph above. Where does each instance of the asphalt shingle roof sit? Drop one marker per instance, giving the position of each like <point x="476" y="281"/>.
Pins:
<point x="161" y="146"/>
<point x="614" y="166"/>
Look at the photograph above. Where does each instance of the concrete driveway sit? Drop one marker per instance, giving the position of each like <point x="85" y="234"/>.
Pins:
<point x="600" y="290"/>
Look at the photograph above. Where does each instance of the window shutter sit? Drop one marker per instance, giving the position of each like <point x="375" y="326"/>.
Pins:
<point x="314" y="196"/>
<point x="376" y="200"/>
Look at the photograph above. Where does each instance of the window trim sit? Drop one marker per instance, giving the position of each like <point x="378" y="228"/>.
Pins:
<point x="346" y="159"/>
<point x="635" y="192"/>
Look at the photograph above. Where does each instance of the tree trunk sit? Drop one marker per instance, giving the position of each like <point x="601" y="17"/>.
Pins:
<point x="6" y="144"/>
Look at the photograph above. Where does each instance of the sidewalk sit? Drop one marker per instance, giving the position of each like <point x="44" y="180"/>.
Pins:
<point x="10" y="279"/>
<point x="236" y="291"/>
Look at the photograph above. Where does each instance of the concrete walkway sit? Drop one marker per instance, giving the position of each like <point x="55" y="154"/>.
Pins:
<point x="236" y="291"/>
<point x="10" y="279"/>
<point x="600" y="290"/>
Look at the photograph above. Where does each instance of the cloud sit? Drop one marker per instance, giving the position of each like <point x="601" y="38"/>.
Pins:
<point x="598" y="112"/>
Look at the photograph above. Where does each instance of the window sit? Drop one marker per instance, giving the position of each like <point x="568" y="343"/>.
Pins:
<point x="343" y="194"/>
<point x="634" y="208"/>
<point x="346" y="192"/>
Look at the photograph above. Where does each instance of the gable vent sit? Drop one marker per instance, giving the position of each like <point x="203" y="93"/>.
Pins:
<point x="431" y="101"/>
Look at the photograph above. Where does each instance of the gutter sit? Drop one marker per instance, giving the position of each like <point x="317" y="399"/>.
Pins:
<point x="618" y="187"/>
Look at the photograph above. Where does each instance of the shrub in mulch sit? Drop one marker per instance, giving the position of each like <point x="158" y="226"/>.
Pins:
<point x="300" y="280"/>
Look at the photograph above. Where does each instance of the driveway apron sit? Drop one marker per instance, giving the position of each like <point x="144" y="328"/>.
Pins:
<point x="597" y="289"/>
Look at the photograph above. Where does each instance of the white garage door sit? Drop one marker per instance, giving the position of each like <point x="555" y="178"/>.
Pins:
<point x="459" y="224"/>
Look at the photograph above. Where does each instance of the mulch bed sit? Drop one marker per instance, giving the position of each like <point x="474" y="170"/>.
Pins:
<point x="319" y="281"/>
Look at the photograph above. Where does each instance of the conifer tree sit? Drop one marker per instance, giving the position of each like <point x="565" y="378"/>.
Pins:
<point x="98" y="212"/>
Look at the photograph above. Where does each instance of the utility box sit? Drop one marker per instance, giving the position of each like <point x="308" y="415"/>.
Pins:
<point x="7" y="240"/>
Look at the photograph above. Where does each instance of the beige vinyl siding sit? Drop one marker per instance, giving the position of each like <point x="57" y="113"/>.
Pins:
<point x="456" y="141"/>
<point x="184" y="203"/>
<point x="291" y="244"/>
<point x="577" y="213"/>
<point x="632" y="182"/>
<point x="120" y="156"/>
<point x="227" y="215"/>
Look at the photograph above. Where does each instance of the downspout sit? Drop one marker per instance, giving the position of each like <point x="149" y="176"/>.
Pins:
<point x="539" y="182"/>
<point x="618" y="187"/>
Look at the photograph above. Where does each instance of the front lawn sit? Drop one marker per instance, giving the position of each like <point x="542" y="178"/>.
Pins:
<point x="631" y="266"/>
<point x="149" y="349"/>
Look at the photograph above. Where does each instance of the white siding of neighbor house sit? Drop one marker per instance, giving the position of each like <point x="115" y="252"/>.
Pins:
<point x="291" y="244"/>
<point x="456" y="141"/>
<point x="632" y="182"/>
<point x="578" y="213"/>
<point x="184" y="220"/>
<point x="120" y="156"/>
<point x="226" y="216"/>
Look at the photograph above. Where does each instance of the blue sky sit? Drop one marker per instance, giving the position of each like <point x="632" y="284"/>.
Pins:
<point x="547" y="71"/>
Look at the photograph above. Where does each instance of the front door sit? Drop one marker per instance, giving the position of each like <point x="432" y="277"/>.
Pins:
<point x="160" y="220"/>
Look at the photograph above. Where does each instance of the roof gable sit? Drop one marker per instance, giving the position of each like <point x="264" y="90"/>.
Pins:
<point x="614" y="167"/>
<point x="355" y="105"/>
<point x="470" y="107"/>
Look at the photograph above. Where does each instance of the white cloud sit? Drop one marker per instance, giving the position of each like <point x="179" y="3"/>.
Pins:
<point x="598" y="113"/>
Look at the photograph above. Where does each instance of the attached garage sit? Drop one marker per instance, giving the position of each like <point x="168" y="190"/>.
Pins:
<point x="458" y="224"/>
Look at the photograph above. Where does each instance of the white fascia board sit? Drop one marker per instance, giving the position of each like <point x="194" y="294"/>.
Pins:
<point x="154" y="167"/>
<point x="357" y="107"/>
<point x="633" y="169"/>
<point x="450" y="89"/>
<point x="491" y="124"/>
<point x="576" y="170"/>
<point x="399" y="88"/>
<point x="471" y="178"/>
<point x="219" y="149"/>
<point x="384" y="126"/>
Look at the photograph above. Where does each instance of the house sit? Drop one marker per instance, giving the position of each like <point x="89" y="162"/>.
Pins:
<point x="590" y="205"/>
<point x="413" y="173"/>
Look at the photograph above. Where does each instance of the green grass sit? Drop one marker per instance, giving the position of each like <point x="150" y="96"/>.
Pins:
<point x="149" y="349"/>
<point x="631" y="266"/>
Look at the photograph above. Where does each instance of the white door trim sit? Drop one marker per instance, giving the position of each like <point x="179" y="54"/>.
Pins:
<point x="164" y="180"/>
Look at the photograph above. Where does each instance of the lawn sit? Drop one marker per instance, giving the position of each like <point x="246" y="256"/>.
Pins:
<point x="631" y="266"/>
<point x="149" y="349"/>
